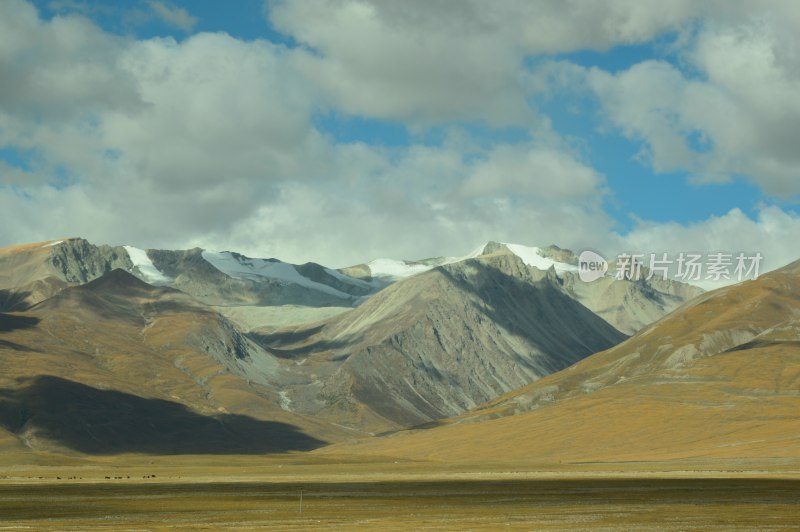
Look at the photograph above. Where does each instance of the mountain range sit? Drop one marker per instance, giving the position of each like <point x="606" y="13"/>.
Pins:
<point x="112" y="348"/>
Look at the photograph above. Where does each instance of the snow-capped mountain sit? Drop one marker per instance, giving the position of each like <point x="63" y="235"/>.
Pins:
<point x="229" y="279"/>
<point x="35" y="272"/>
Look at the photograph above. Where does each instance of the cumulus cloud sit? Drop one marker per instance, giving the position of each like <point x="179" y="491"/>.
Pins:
<point x="171" y="137"/>
<point x="735" y="113"/>
<point x="212" y="141"/>
<point x="426" y="61"/>
<point x="543" y="172"/>
<point x="217" y="109"/>
<point x="58" y="71"/>
<point x="411" y="206"/>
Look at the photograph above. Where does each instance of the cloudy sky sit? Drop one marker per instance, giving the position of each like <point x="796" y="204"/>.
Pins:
<point x="339" y="131"/>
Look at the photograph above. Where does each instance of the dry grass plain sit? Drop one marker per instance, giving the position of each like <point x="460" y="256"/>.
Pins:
<point x="346" y="493"/>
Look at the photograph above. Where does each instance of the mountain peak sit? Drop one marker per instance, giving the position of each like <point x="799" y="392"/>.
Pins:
<point x="562" y="260"/>
<point x="493" y="247"/>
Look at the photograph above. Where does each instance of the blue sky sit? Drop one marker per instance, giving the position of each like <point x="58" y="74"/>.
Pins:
<point x="341" y="131"/>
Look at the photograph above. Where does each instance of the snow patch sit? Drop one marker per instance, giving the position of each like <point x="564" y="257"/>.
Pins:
<point x="395" y="269"/>
<point x="531" y="256"/>
<point x="285" y="401"/>
<point x="241" y="267"/>
<point x="51" y="244"/>
<point x="475" y="253"/>
<point x="400" y="269"/>
<point x="146" y="267"/>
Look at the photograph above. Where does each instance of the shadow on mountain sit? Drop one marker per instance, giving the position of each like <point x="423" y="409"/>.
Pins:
<point x="11" y="300"/>
<point x="286" y="337"/>
<point x="541" y="313"/>
<point x="18" y="347"/>
<point x="763" y="344"/>
<point x="13" y="322"/>
<point x="105" y="422"/>
<point x="273" y="342"/>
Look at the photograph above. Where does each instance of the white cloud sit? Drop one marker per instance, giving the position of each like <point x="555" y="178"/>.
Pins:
<point x="175" y="139"/>
<point x="373" y="67"/>
<point x="543" y="172"/>
<point x="427" y="61"/>
<point x="217" y="109"/>
<point x="59" y="70"/>
<point x="411" y="203"/>
<point x="172" y="15"/>
<point x="216" y="123"/>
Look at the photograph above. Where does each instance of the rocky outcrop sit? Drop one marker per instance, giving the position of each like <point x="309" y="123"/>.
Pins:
<point x="32" y="273"/>
<point x="78" y="261"/>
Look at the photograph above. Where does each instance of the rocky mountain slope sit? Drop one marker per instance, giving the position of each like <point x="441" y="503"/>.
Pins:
<point x="439" y="343"/>
<point x="34" y="272"/>
<point x="717" y="379"/>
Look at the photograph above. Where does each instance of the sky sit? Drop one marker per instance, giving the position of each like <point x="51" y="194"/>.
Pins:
<point x="339" y="131"/>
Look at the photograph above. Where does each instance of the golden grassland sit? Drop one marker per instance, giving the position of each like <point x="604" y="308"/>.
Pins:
<point x="668" y="421"/>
